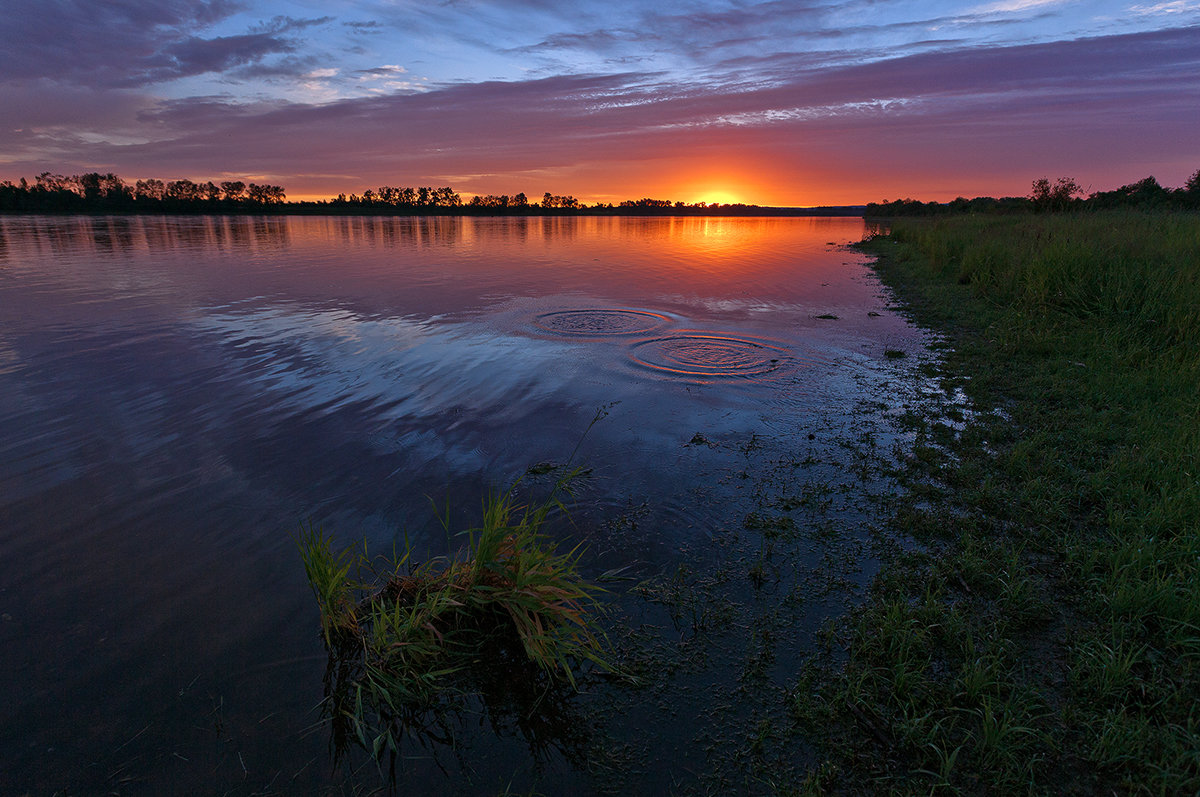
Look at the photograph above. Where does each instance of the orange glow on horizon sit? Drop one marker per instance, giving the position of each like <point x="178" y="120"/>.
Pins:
<point x="310" y="197"/>
<point x="677" y="180"/>
<point x="721" y="198"/>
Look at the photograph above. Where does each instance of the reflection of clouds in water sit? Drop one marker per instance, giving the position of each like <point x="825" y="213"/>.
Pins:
<point x="324" y="360"/>
<point x="10" y="361"/>
<point x="735" y="307"/>
<point x="86" y="422"/>
<point x="756" y="308"/>
<point x="27" y="466"/>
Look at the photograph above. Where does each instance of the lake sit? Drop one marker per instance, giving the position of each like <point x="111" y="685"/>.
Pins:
<point x="179" y="394"/>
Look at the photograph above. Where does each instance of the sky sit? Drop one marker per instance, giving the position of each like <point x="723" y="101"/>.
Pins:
<point x="795" y="103"/>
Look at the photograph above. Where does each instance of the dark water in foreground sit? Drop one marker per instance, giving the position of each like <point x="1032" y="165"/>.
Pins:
<point x="177" y="394"/>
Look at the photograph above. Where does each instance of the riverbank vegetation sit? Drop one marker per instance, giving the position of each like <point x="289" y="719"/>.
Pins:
<point x="1063" y="194"/>
<point x="1040" y="632"/>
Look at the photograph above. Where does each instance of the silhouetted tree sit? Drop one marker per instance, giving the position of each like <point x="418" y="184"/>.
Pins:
<point x="1192" y="186"/>
<point x="183" y="190"/>
<point x="52" y="183"/>
<point x="646" y="203"/>
<point x="265" y="194"/>
<point x="1054" y="197"/>
<point x="103" y="188"/>
<point x="233" y="190"/>
<point x="150" y="189"/>
<point x="1144" y="193"/>
<point x="90" y="183"/>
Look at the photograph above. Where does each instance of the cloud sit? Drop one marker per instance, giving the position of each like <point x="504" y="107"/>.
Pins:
<point x="286" y="24"/>
<point x="196" y="56"/>
<point x="600" y="41"/>
<point x="1007" y="109"/>
<point x="288" y="69"/>
<point x="739" y="41"/>
<point x="365" y="28"/>
<point x="387" y="70"/>
<point x="1176" y="7"/>
<point x="1015" y="6"/>
<point x="134" y="43"/>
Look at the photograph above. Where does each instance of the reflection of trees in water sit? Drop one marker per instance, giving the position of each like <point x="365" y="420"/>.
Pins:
<point x="123" y="234"/>
<point x="559" y="228"/>
<point x="517" y="698"/>
<point x="270" y="231"/>
<point x="122" y="231"/>
<point x="234" y="233"/>
<point x="105" y="235"/>
<point x="163" y="234"/>
<point x="399" y="231"/>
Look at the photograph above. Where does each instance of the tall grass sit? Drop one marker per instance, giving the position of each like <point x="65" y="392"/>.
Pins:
<point x="1135" y="273"/>
<point x="402" y="634"/>
<point x="1045" y="635"/>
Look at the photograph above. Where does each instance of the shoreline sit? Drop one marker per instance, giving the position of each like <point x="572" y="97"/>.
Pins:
<point x="1036" y="630"/>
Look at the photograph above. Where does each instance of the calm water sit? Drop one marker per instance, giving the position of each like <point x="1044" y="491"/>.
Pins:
<point x="178" y="394"/>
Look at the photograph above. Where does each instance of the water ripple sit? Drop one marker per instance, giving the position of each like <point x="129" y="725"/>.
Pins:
<point x="601" y="322"/>
<point x="710" y="355"/>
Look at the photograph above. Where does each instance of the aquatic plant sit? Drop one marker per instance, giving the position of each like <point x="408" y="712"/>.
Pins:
<point x="402" y="634"/>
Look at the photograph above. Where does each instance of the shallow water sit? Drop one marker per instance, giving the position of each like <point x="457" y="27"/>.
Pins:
<point x="178" y="394"/>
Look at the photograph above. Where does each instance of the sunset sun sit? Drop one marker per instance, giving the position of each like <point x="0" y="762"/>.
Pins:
<point x="719" y="196"/>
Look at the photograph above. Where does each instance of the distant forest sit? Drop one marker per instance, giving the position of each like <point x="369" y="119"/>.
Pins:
<point x="1064" y="194"/>
<point x="107" y="193"/>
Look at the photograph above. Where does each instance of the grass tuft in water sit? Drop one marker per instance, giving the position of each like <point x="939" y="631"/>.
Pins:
<point x="403" y="635"/>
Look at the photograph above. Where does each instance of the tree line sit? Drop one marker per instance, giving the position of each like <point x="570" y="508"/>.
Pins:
<point x="1063" y="194"/>
<point x="50" y="193"/>
<point x="95" y="192"/>
<point x="386" y="197"/>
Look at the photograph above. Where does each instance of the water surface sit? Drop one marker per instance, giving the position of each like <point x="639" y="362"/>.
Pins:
<point x="178" y="394"/>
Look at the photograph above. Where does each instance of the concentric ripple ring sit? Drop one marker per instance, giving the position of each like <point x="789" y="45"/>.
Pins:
<point x="709" y="355"/>
<point x="601" y="322"/>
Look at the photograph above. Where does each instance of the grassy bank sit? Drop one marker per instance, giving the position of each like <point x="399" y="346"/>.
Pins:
<point x="1042" y="631"/>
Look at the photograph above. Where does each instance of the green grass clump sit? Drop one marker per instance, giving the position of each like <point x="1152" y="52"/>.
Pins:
<point x="1044" y="633"/>
<point x="402" y="635"/>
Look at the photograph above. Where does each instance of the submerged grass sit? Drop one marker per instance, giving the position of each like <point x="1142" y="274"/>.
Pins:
<point x="1042" y="631"/>
<point x="402" y="634"/>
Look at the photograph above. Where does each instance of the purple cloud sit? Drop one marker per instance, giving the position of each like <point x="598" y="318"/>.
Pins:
<point x="132" y="43"/>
